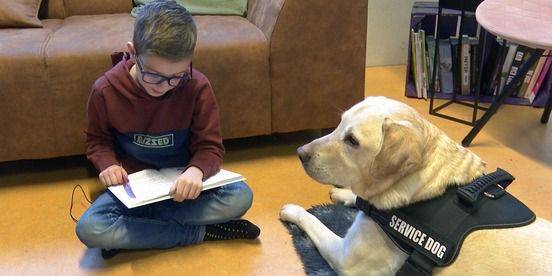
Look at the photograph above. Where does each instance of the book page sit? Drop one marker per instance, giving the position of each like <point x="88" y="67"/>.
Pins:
<point x="223" y="177"/>
<point x="172" y="174"/>
<point x="149" y="184"/>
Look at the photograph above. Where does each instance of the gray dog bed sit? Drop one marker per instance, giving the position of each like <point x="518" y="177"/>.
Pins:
<point x="337" y="218"/>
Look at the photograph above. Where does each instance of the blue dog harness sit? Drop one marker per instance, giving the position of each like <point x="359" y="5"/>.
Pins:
<point x="431" y="232"/>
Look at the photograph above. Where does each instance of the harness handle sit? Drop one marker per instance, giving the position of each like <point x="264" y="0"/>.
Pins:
<point x="470" y="194"/>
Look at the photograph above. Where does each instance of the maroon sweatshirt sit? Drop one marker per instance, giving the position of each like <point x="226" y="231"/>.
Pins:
<point x="129" y="127"/>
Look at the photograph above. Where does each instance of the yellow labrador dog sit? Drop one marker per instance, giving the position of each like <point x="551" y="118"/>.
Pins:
<point x="386" y="153"/>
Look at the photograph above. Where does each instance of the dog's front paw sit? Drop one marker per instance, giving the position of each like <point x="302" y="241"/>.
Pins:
<point x="342" y="196"/>
<point x="291" y="213"/>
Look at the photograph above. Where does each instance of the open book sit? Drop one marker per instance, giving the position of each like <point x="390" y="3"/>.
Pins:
<point x="149" y="186"/>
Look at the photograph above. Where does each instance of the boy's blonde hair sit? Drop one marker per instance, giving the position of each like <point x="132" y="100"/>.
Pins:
<point x="166" y="29"/>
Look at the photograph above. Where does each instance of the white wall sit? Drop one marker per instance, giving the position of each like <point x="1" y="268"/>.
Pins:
<point x="388" y="31"/>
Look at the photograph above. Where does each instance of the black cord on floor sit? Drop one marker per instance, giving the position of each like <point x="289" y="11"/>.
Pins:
<point x="72" y="196"/>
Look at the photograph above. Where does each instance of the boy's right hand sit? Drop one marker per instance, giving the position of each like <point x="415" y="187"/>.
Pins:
<point x="113" y="175"/>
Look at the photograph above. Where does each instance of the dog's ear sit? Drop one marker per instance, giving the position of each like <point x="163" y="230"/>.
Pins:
<point x="401" y="149"/>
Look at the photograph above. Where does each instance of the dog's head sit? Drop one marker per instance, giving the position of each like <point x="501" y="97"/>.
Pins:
<point x="376" y="138"/>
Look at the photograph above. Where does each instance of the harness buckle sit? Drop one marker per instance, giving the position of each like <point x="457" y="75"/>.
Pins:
<point x="470" y="194"/>
<point x="496" y="193"/>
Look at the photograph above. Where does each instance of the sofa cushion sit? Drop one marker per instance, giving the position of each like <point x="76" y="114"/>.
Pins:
<point x="19" y="13"/>
<point x="28" y="107"/>
<point x="80" y="7"/>
<point x="77" y="54"/>
<point x="233" y="54"/>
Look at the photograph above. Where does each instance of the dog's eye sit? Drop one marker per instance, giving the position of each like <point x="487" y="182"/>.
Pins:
<point x="351" y="140"/>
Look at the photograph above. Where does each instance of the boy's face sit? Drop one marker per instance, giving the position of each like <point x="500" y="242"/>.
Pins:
<point x="158" y="75"/>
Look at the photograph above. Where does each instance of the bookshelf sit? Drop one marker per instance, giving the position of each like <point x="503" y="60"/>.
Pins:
<point x="423" y="18"/>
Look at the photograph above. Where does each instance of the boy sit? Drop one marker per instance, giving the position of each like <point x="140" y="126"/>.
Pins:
<point x="152" y="110"/>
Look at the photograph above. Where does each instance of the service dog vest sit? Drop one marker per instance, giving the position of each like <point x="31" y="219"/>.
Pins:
<point x="432" y="231"/>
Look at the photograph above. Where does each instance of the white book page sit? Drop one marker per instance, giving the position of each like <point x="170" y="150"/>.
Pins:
<point x="223" y="177"/>
<point x="171" y="173"/>
<point x="121" y="192"/>
<point x="149" y="184"/>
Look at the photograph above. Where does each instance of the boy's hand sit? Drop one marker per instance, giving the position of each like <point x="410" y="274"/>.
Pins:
<point x="113" y="175"/>
<point x="188" y="185"/>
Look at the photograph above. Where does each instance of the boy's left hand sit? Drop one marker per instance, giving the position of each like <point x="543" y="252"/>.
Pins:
<point x="188" y="185"/>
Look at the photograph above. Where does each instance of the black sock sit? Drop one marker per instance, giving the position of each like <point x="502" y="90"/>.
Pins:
<point x="109" y="253"/>
<point x="234" y="229"/>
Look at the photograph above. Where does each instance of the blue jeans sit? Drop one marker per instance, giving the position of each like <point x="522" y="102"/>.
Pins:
<point x="109" y="224"/>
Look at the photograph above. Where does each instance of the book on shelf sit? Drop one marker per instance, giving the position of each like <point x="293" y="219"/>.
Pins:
<point x="465" y="63"/>
<point x="430" y="41"/>
<point x="505" y="72"/>
<point x="544" y="93"/>
<point x="540" y="80"/>
<point x="425" y="75"/>
<point x="536" y="73"/>
<point x="456" y="63"/>
<point x="445" y="67"/>
<point x="150" y="185"/>
<point x="415" y="71"/>
<point x="494" y="80"/>
<point x="413" y="57"/>
<point x="524" y="91"/>
<point x="520" y="57"/>
<point x="419" y="76"/>
<point x="474" y="66"/>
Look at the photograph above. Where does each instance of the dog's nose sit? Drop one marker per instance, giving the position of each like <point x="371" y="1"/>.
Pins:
<point x="303" y="155"/>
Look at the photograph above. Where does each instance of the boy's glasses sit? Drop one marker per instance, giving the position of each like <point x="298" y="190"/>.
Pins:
<point x="153" y="78"/>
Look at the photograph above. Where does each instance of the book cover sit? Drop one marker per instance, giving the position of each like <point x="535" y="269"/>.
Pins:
<point x="490" y="68"/>
<point x="474" y="60"/>
<point x="445" y="66"/>
<point x="536" y="73"/>
<point x="413" y="59"/>
<point x="149" y="186"/>
<point x="542" y="75"/>
<point x="526" y="80"/>
<point x="520" y="57"/>
<point x="425" y="66"/>
<point x="456" y="64"/>
<point x="505" y="72"/>
<point x="465" y="64"/>
<point x="430" y="41"/>
<point x="546" y="90"/>
<point x="419" y="70"/>
<point x="494" y="80"/>
<point x="416" y="67"/>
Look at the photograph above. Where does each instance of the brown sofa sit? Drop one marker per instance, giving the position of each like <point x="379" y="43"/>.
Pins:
<point x="289" y="65"/>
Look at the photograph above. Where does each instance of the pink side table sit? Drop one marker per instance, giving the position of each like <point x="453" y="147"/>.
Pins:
<point x="524" y="22"/>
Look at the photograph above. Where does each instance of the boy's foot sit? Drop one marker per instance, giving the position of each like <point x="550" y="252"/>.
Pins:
<point x="109" y="253"/>
<point x="234" y="229"/>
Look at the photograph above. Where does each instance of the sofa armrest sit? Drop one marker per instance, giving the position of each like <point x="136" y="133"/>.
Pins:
<point x="264" y="13"/>
<point x="317" y="59"/>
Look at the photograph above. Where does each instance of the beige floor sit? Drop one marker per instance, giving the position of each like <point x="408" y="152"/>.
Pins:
<point x="37" y="237"/>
